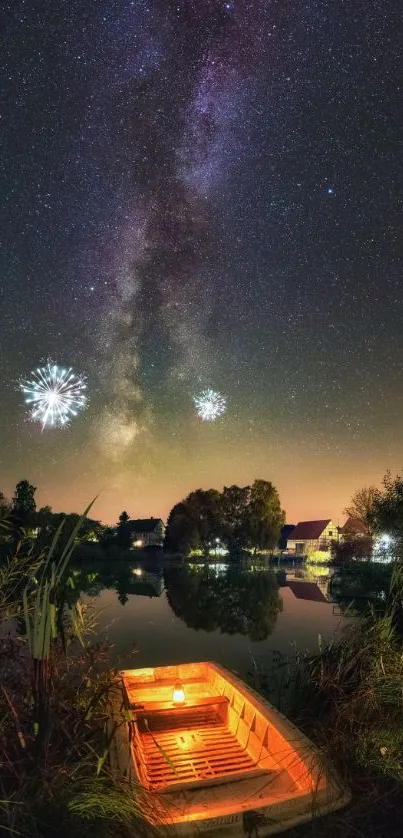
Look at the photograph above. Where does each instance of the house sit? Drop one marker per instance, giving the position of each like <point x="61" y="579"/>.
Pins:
<point x="311" y="536"/>
<point x="354" y="527"/>
<point x="147" y="532"/>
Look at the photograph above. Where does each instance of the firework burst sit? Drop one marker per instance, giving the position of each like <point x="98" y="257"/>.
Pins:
<point x="210" y="405"/>
<point x="55" y="395"/>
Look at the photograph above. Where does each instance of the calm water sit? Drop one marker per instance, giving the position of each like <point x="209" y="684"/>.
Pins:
<point x="156" y="616"/>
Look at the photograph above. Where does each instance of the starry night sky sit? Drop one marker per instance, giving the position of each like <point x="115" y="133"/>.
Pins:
<point x="203" y="194"/>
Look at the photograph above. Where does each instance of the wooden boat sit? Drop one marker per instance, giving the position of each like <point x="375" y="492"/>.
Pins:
<point x="213" y="756"/>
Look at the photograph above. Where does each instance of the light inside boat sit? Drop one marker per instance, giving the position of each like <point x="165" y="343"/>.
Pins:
<point x="178" y="694"/>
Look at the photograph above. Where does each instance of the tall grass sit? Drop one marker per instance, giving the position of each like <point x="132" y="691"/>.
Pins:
<point x="348" y="697"/>
<point x="55" y="700"/>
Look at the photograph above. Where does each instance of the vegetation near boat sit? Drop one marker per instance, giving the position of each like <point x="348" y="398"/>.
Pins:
<point x="213" y="756"/>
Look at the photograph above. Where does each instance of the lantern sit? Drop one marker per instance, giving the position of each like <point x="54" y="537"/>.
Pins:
<point x="178" y="694"/>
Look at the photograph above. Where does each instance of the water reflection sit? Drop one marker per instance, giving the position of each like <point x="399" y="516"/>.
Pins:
<point x="154" y="616"/>
<point x="233" y="600"/>
<point x="124" y="578"/>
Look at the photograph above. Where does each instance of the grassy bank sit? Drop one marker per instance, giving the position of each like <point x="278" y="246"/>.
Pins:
<point x="55" y="698"/>
<point x="348" y="698"/>
<point x="57" y="691"/>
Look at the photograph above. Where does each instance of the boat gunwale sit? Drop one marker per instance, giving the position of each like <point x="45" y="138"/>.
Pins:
<point x="331" y="796"/>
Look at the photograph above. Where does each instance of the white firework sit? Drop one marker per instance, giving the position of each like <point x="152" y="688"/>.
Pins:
<point x="210" y="405"/>
<point x="55" y="395"/>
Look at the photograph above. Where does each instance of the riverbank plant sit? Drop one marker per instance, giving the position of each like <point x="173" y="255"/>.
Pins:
<point x="55" y="699"/>
<point x="348" y="698"/>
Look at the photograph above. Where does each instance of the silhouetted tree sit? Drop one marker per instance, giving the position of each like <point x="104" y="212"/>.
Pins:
<point x="243" y="517"/>
<point x="23" y="508"/>
<point x="107" y="537"/>
<point x="123" y="534"/>
<point x="265" y="516"/>
<point x="236" y="602"/>
<point x="351" y="548"/>
<point x="43" y="517"/>
<point x="195" y="522"/>
<point x="23" y="503"/>
<point x="181" y="533"/>
<point x="5" y="518"/>
<point x="234" y="515"/>
<point x="386" y="514"/>
<point x="362" y="505"/>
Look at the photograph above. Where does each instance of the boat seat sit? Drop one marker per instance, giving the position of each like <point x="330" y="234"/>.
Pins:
<point x="153" y="707"/>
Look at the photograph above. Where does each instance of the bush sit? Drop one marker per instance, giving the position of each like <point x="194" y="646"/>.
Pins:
<point x="348" y="699"/>
<point x="55" y="700"/>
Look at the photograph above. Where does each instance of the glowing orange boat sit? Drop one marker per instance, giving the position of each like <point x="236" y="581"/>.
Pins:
<point x="213" y="756"/>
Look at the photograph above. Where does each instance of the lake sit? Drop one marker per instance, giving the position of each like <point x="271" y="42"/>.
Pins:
<point x="156" y="615"/>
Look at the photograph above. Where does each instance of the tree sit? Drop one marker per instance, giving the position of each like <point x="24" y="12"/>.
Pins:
<point x="265" y="516"/>
<point x="24" y="498"/>
<point x="204" y="507"/>
<point x="236" y="602"/>
<point x="351" y="548"/>
<point x="23" y="506"/>
<point x="107" y="538"/>
<point x="5" y="518"/>
<point x="123" y="533"/>
<point x="386" y="515"/>
<point x="241" y="516"/>
<point x="181" y="533"/>
<point x="362" y="504"/>
<point x="4" y="503"/>
<point x="43" y="517"/>
<point x="234" y="515"/>
<point x="195" y="522"/>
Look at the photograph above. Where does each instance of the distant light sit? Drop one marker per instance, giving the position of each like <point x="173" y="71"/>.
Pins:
<point x="138" y="543"/>
<point x="178" y="694"/>
<point x="137" y="571"/>
<point x="383" y="548"/>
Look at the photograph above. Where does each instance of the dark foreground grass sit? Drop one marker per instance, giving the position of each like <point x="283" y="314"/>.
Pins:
<point x="56" y="695"/>
<point x="348" y="698"/>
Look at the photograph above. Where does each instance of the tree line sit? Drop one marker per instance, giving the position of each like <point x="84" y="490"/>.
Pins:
<point x="20" y="519"/>
<point x="239" y="518"/>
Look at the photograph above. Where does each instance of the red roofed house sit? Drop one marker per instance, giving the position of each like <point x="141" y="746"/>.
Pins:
<point x="354" y="527"/>
<point x="310" y="536"/>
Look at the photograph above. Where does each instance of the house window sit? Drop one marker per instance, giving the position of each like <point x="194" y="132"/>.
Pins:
<point x="330" y="533"/>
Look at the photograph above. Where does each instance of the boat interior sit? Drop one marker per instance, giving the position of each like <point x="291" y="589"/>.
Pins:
<point x="196" y="724"/>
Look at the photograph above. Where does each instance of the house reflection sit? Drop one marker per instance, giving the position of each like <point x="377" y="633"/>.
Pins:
<point x="126" y="579"/>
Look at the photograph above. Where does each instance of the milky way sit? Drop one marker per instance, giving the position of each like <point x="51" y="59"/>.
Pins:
<point x="203" y="194"/>
<point x="168" y="269"/>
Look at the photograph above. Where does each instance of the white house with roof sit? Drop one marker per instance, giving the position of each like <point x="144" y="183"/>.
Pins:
<point x="311" y="536"/>
<point x="147" y="532"/>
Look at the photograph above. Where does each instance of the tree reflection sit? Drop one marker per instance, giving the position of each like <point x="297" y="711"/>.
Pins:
<point x="125" y="579"/>
<point x="235" y="601"/>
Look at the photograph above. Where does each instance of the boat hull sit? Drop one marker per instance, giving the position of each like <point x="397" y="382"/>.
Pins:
<point x="242" y="770"/>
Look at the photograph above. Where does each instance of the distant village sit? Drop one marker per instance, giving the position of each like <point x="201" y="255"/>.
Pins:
<point x="303" y="539"/>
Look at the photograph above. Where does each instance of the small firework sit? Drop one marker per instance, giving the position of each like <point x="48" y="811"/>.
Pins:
<point x="56" y="395"/>
<point x="210" y="405"/>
